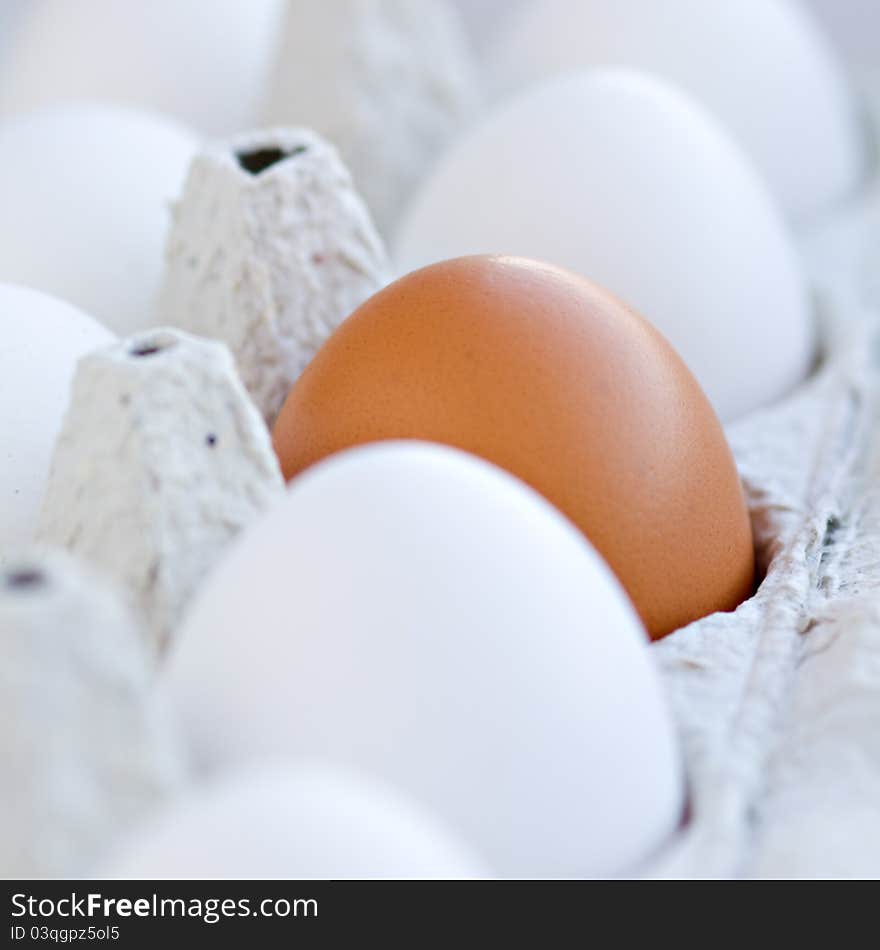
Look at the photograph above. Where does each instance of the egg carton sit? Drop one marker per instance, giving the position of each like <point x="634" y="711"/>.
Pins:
<point x="778" y="703"/>
<point x="88" y="743"/>
<point x="774" y="703"/>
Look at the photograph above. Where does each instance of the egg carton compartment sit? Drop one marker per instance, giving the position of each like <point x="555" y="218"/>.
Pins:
<point x="88" y="744"/>
<point x="776" y="702"/>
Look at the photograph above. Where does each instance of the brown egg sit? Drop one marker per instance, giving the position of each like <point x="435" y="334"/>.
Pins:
<point x="554" y="379"/>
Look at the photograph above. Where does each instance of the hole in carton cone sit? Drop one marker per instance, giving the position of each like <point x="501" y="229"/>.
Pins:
<point x="261" y="159"/>
<point x="25" y="578"/>
<point x="151" y="346"/>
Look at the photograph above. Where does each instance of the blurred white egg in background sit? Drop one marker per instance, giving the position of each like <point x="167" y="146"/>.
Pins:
<point x="419" y="616"/>
<point x="763" y="67"/>
<point x="203" y="61"/>
<point x="86" y="193"/>
<point x="303" y="823"/>
<point x="622" y="178"/>
<point x="42" y="340"/>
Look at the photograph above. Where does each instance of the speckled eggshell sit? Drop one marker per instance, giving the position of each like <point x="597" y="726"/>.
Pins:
<point x="550" y="377"/>
<point x="42" y="340"/>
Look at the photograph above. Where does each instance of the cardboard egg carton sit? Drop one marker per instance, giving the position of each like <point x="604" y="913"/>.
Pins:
<point x="776" y="704"/>
<point x="162" y="459"/>
<point x="87" y="743"/>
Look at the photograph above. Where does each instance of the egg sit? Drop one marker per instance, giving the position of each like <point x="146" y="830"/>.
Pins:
<point x="419" y="616"/>
<point x="551" y="378"/>
<point x="42" y="340"/>
<point x="763" y="67"/>
<point x="86" y="194"/>
<point x="625" y="180"/>
<point x="297" y="822"/>
<point x="203" y="61"/>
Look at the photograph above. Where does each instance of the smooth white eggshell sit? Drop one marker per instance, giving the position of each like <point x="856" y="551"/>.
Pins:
<point x="86" y="193"/>
<point x="42" y="340"/>
<point x="204" y="61"/>
<point x="763" y="67"/>
<point x="301" y="823"/>
<point x="415" y="614"/>
<point x="624" y="179"/>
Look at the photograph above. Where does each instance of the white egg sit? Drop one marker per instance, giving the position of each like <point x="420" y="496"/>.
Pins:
<point x="86" y="193"/>
<point x="302" y="823"/>
<point x="42" y="340"/>
<point x="762" y="66"/>
<point x="622" y="178"/>
<point x="204" y="61"/>
<point x="415" y="614"/>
